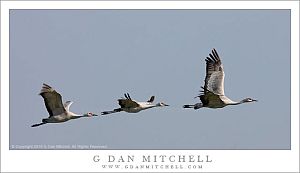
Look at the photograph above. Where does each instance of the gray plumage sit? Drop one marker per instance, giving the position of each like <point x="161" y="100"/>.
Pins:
<point x="212" y="95"/>
<point x="132" y="106"/>
<point x="58" y="112"/>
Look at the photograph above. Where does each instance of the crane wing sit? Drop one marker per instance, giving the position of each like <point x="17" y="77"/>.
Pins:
<point x="214" y="80"/>
<point x="151" y="99"/>
<point x="67" y="105"/>
<point x="53" y="100"/>
<point x="210" y="99"/>
<point x="127" y="102"/>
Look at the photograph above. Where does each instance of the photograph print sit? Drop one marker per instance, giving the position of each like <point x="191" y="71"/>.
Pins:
<point x="113" y="79"/>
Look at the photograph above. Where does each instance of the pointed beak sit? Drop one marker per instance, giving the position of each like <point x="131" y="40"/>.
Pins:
<point x="95" y="115"/>
<point x="167" y="105"/>
<point x="255" y="100"/>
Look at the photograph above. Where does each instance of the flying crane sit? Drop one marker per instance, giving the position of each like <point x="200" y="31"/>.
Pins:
<point x="58" y="112"/>
<point x="132" y="106"/>
<point x="212" y="95"/>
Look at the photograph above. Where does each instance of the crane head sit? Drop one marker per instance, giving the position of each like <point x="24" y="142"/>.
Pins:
<point x="90" y="114"/>
<point x="246" y="100"/>
<point x="161" y="104"/>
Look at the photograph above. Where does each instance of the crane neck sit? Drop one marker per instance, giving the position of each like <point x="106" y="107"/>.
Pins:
<point x="235" y="103"/>
<point x="150" y="106"/>
<point x="75" y="116"/>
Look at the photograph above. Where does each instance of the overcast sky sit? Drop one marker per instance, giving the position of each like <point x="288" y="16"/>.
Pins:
<point x="93" y="57"/>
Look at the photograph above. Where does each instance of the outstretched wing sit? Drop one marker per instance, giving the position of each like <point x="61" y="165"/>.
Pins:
<point x="53" y="100"/>
<point x="214" y="80"/>
<point x="127" y="102"/>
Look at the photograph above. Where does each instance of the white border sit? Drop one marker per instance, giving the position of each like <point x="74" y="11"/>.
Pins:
<point x="81" y="160"/>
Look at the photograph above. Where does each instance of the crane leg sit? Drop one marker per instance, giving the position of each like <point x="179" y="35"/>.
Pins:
<point x="35" y="125"/>
<point x="110" y="112"/>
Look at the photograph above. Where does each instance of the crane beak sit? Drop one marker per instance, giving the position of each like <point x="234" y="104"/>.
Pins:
<point x="95" y="115"/>
<point x="255" y="100"/>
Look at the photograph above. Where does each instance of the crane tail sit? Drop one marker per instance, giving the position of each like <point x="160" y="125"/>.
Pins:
<point x="198" y="105"/>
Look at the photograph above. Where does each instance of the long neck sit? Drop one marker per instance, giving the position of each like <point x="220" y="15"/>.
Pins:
<point x="150" y="106"/>
<point x="236" y="103"/>
<point x="75" y="116"/>
<point x="226" y="101"/>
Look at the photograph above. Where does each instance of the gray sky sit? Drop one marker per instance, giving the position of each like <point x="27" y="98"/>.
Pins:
<point x="93" y="57"/>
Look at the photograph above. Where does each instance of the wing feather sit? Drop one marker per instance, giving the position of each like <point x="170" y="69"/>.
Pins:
<point x="210" y="99"/>
<point x="127" y="102"/>
<point x="67" y="105"/>
<point x="214" y="80"/>
<point x="52" y="100"/>
<point x="151" y="99"/>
